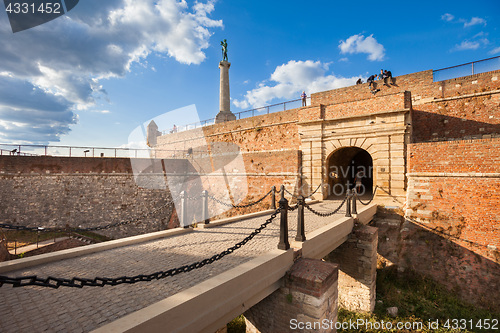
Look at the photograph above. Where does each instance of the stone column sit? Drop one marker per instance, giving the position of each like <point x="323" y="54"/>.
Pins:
<point x="357" y="260"/>
<point x="308" y="298"/>
<point x="225" y="113"/>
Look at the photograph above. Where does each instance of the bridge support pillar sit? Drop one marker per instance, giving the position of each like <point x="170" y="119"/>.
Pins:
<point x="357" y="260"/>
<point x="307" y="298"/>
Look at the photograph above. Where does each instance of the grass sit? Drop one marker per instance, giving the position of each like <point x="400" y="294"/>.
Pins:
<point x="419" y="299"/>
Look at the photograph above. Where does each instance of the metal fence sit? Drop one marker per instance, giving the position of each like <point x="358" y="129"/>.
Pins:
<point x="74" y="151"/>
<point x="283" y="106"/>
<point x="470" y="68"/>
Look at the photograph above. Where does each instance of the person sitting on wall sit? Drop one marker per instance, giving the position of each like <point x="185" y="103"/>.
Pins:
<point x="371" y="84"/>
<point x="387" y="77"/>
<point x="382" y="75"/>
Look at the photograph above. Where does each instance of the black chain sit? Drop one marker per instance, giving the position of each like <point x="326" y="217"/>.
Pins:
<point x="326" y="214"/>
<point x="240" y="206"/>
<point x="77" y="282"/>
<point x="310" y="195"/>
<point x="104" y="227"/>
<point x="373" y="196"/>
<point x="292" y="208"/>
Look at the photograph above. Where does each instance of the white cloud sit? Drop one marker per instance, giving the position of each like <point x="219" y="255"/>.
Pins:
<point x="471" y="44"/>
<point x="467" y="23"/>
<point x="473" y="21"/>
<point x="447" y="17"/>
<point x="290" y="79"/>
<point x="66" y="58"/>
<point x="466" y="45"/>
<point x="495" y="50"/>
<point x="361" y="44"/>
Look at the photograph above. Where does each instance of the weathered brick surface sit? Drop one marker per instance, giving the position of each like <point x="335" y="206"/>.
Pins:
<point x="86" y="192"/>
<point x="469" y="156"/>
<point x="452" y="219"/>
<point x="308" y="297"/>
<point x="357" y="260"/>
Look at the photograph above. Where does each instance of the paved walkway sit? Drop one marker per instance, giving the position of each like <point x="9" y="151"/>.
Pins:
<point x="38" y="309"/>
<point x="35" y="246"/>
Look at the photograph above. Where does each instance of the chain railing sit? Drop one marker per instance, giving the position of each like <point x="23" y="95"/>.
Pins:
<point x="310" y="195"/>
<point x="80" y="282"/>
<point x="369" y="201"/>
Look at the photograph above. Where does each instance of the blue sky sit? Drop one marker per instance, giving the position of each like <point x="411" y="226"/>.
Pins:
<point x="90" y="77"/>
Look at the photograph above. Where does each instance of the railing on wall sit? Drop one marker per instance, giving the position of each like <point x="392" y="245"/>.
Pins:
<point x="283" y="106"/>
<point x="74" y="151"/>
<point x="470" y="68"/>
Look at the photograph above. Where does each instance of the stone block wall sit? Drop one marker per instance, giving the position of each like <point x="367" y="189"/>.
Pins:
<point x="307" y="302"/>
<point x="269" y="132"/>
<point x="455" y="186"/>
<point x="87" y="192"/>
<point x="450" y="230"/>
<point x="357" y="260"/>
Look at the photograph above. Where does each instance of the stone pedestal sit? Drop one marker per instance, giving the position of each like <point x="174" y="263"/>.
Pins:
<point x="307" y="301"/>
<point x="357" y="260"/>
<point x="225" y="113"/>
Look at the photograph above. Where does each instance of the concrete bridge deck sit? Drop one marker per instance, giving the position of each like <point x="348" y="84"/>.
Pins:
<point x="39" y="309"/>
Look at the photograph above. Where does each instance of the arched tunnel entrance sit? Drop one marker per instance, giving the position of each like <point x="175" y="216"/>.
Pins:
<point x="343" y="165"/>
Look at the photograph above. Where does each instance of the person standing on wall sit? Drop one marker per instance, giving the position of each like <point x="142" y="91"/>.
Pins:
<point x="304" y="98"/>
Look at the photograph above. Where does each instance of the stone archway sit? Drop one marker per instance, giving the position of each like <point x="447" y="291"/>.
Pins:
<point x="342" y="166"/>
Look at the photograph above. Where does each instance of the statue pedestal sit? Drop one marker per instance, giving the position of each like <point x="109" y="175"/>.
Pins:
<point x="225" y="113"/>
<point x="223" y="116"/>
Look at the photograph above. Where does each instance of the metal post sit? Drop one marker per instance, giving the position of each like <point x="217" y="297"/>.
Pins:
<point x="273" y="197"/>
<point x="354" y="199"/>
<point x="184" y="207"/>
<point x="283" y="244"/>
<point x="301" y="235"/>
<point x="472" y="68"/>
<point x="205" y="217"/>
<point x="348" y="206"/>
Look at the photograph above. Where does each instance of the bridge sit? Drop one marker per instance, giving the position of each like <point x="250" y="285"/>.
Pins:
<point x="203" y="299"/>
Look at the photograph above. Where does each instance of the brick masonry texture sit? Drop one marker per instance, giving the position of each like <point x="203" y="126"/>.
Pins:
<point x="454" y="188"/>
<point x="86" y="192"/>
<point x="357" y="260"/>
<point x="455" y="136"/>
<point x="469" y="156"/>
<point x="455" y="130"/>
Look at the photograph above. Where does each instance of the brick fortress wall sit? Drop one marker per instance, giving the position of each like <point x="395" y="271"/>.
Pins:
<point x="452" y="217"/>
<point x="87" y="192"/>
<point x="452" y="230"/>
<point x="268" y="145"/>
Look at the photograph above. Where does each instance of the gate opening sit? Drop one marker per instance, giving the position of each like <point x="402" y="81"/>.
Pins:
<point x="343" y="166"/>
